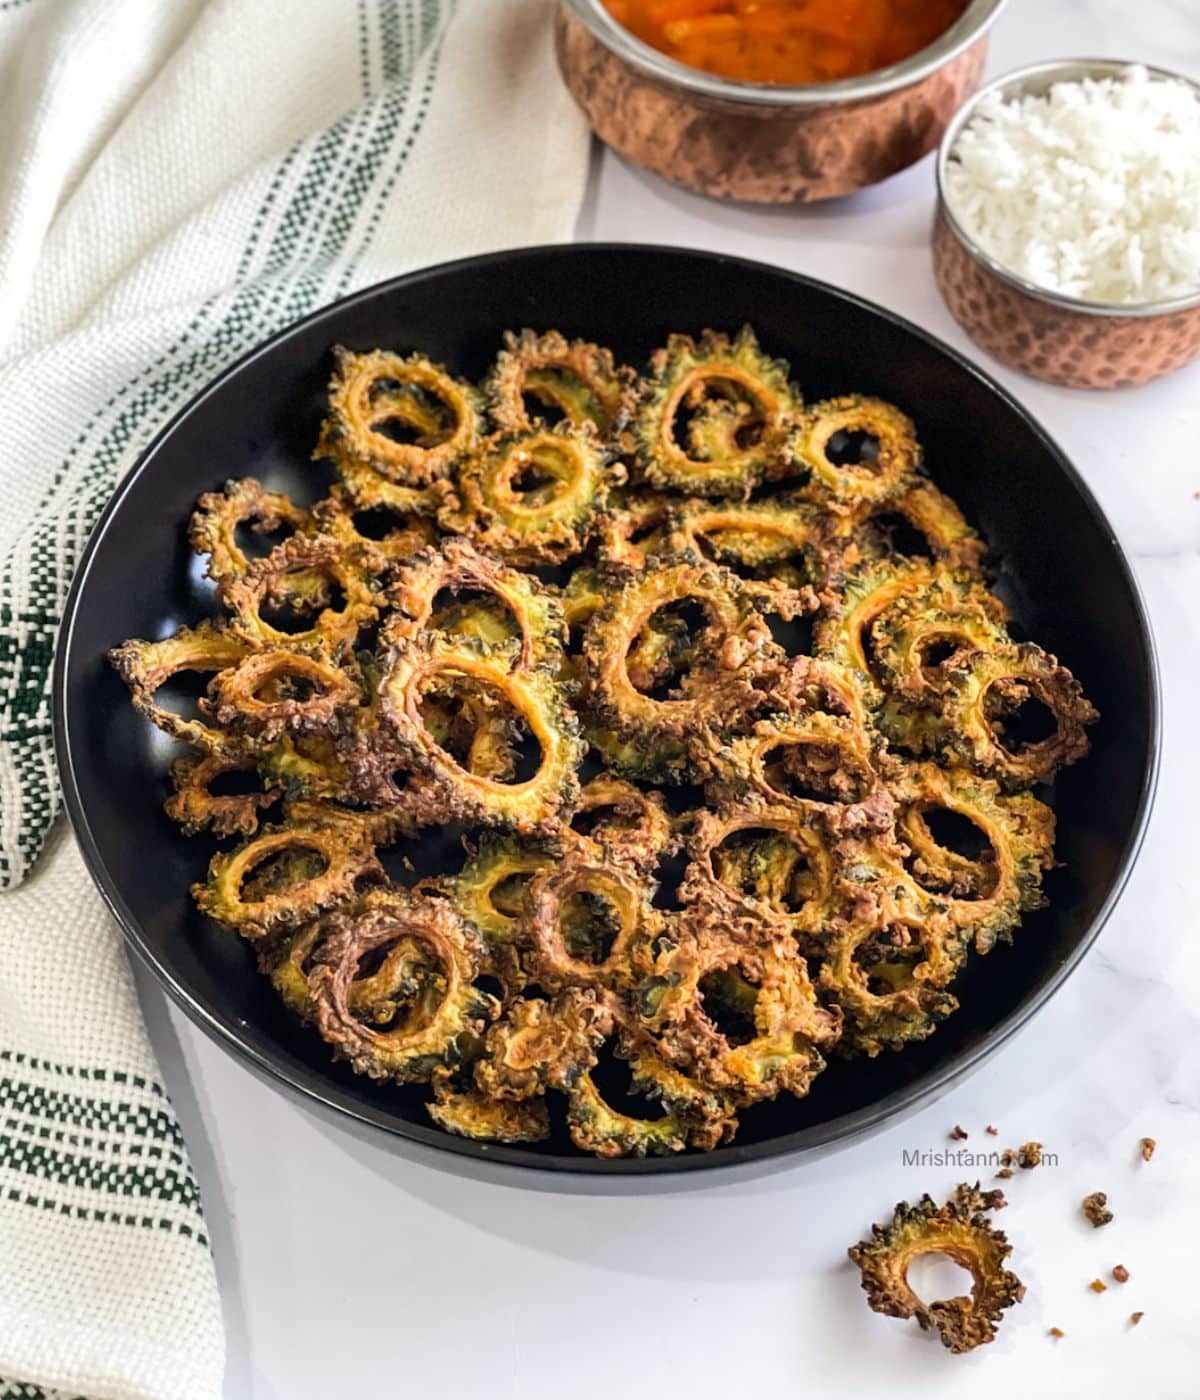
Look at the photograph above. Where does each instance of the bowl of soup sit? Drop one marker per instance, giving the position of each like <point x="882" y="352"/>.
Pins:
<point x="773" y="101"/>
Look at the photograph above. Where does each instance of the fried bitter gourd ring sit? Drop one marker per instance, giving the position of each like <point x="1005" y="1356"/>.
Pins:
<point x="913" y="638"/>
<point x="627" y="822"/>
<point x="146" y="667"/>
<point x="843" y="635"/>
<point x="468" y="1113"/>
<point x="741" y="408"/>
<point x="983" y="690"/>
<point x="410" y="530"/>
<point x="764" y="858"/>
<point x="439" y="1026"/>
<point x="777" y="546"/>
<point x="590" y="923"/>
<point x="367" y="392"/>
<point x="856" y="473"/>
<point x="889" y="979"/>
<point x="277" y="690"/>
<point x="528" y="806"/>
<point x="489" y="891"/>
<point x="986" y="894"/>
<point x="291" y="872"/>
<point x="213" y="527"/>
<point x="371" y="490"/>
<point x="542" y="1045"/>
<point x="869" y="529"/>
<point x="755" y="534"/>
<point x="962" y="1232"/>
<point x="536" y="616"/>
<point x="474" y="728"/>
<point x="532" y="496"/>
<point x="196" y="808"/>
<point x="763" y="984"/>
<point x="575" y="377"/>
<point x="377" y="997"/>
<point x="822" y="767"/>
<point x="729" y="653"/>
<point x="694" y="1115"/>
<point x="269" y="582"/>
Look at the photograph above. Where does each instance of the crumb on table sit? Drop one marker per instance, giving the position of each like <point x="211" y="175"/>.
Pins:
<point x="1098" y="1285"/>
<point x="1095" y="1207"/>
<point x="1120" y="1273"/>
<point x="1148" y="1145"/>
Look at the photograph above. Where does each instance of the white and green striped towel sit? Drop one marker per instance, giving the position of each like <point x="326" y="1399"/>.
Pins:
<point x="177" y="181"/>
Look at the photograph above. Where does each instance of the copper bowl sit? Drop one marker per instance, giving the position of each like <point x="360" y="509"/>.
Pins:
<point x="763" y="142"/>
<point x="1061" y="339"/>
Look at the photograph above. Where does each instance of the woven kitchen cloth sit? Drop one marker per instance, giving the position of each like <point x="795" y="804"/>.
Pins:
<point x="178" y="181"/>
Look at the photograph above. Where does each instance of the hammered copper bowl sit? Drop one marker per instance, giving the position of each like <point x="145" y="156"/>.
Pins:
<point x="1061" y="339"/>
<point x="761" y="142"/>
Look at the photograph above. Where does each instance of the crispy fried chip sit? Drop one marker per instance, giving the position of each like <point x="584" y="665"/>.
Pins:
<point x="962" y="1232"/>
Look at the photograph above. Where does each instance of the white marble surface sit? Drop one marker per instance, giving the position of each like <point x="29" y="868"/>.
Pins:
<point x="347" y="1271"/>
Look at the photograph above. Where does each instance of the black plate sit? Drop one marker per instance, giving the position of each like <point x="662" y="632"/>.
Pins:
<point x="1066" y="578"/>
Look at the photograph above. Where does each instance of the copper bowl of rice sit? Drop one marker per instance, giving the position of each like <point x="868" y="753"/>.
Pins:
<point x="1081" y="273"/>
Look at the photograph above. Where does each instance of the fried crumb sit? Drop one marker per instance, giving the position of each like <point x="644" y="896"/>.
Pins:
<point x="1005" y="1172"/>
<point x="1148" y="1145"/>
<point x="1029" y="1155"/>
<point x="1098" y="1285"/>
<point x="1120" y="1273"/>
<point x="959" y="1134"/>
<point x="992" y="1132"/>
<point x="1057" y="1332"/>
<point x="1095" y="1207"/>
<point x="1135" y="1318"/>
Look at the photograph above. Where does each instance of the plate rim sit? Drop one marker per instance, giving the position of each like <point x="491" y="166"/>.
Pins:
<point x="512" y="1163"/>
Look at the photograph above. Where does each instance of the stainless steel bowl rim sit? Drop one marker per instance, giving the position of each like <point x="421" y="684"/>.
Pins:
<point x="971" y="25"/>
<point x="1054" y="70"/>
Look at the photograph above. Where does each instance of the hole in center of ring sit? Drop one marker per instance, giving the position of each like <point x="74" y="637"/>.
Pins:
<point x="1019" y="719"/>
<point x="301" y="597"/>
<point x="614" y="1083"/>
<point x="728" y="1000"/>
<point x="853" y="447"/>
<point x="397" y="985"/>
<point x="812" y="771"/>
<point x="888" y="958"/>
<point x="279" y="871"/>
<point x="666" y="647"/>
<point x="590" y="924"/>
<point x="539" y="476"/>
<point x="935" y="1276"/>
<point x="480" y="729"/>
<point x="764" y="864"/>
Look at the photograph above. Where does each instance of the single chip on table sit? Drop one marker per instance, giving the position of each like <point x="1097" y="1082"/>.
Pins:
<point x="962" y="1232"/>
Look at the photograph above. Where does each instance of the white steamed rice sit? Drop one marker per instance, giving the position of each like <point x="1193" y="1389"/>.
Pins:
<point x="1092" y="191"/>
